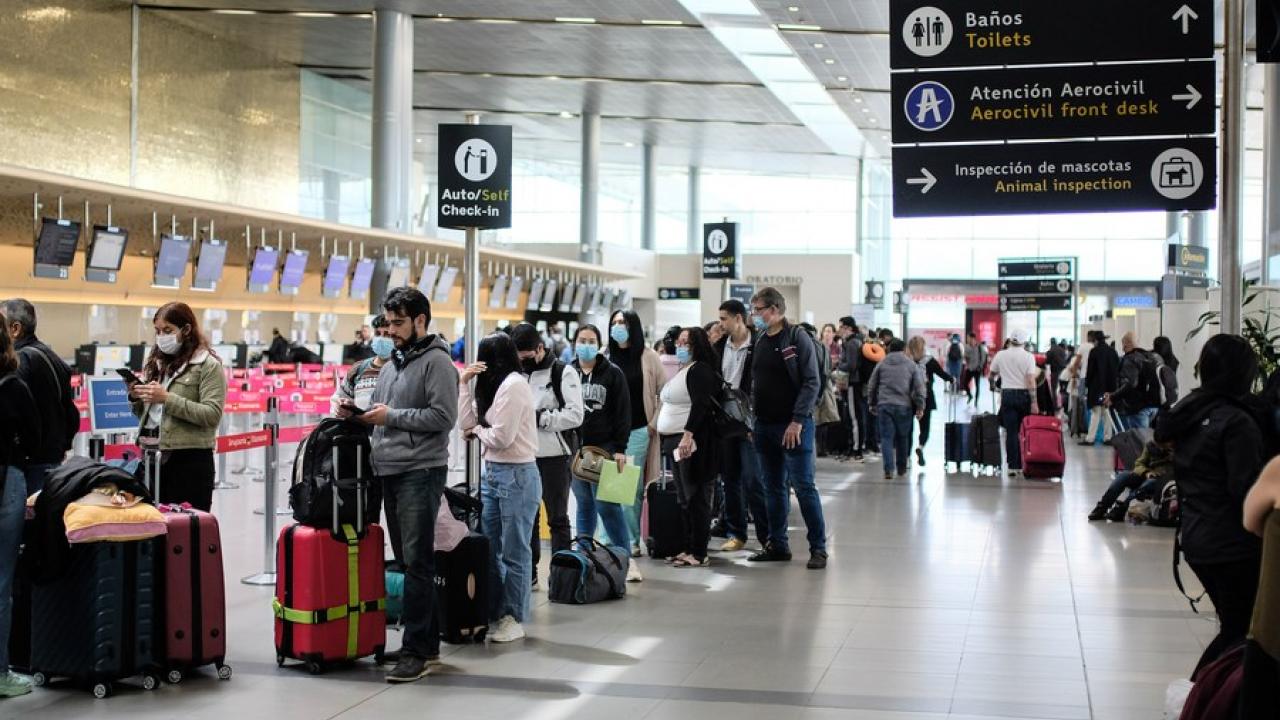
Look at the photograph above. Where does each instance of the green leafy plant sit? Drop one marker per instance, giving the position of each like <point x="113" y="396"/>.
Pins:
<point x="1263" y="335"/>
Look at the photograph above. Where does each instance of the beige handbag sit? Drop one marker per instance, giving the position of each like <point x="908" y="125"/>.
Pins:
<point x="589" y="462"/>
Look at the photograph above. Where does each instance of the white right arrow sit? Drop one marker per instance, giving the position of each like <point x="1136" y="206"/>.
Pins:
<point x="1186" y="15"/>
<point x="928" y="181"/>
<point x="1191" y="97"/>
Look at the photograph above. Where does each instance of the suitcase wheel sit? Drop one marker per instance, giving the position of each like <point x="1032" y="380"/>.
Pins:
<point x="174" y="677"/>
<point x="150" y="681"/>
<point x="40" y="679"/>
<point x="224" y="672"/>
<point x="314" y="667"/>
<point x="102" y="690"/>
<point x="279" y="661"/>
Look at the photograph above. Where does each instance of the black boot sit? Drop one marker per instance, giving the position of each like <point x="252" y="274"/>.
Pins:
<point x="1099" y="512"/>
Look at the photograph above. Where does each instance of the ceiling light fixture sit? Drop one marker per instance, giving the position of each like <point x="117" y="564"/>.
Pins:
<point x="842" y="78"/>
<point x="661" y="22"/>
<point x="228" y="11"/>
<point x="857" y="98"/>
<point x="829" y="61"/>
<point x="566" y="114"/>
<point x="579" y="20"/>
<point x="315" y="14"/>
<point x="553" y="77"/>
<point x="628" y="144"/>
<point x="793" y="8"/>
<point x="818" y="46"/>
<point x="798" y="28"/>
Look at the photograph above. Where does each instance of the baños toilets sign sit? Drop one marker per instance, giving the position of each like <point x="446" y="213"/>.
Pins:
<point x="474" y="166"/>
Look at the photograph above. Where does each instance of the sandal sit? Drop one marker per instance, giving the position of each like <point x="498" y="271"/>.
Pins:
<point x="689" y="561"/>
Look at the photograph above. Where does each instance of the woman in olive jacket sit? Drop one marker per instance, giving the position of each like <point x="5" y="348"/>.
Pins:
<point x="179" y="403"/>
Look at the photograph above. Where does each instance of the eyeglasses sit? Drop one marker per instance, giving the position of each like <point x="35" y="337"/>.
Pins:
<point x="758" y="309"/>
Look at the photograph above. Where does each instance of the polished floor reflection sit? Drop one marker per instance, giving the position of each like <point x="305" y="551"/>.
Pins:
<point x="946" y="597"/>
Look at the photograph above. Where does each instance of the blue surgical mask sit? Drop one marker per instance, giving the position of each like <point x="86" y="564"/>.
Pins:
<point x="586" y="353"/>
<point x="683" y="356"/>
<point x="382" y="346"/>
<point x="619" y="333"/>
<point x="759" y="322"/>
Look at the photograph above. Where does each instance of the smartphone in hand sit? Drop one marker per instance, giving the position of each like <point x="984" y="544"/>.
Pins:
<point x="127" y="375"/>
<point x="353" y="408"/>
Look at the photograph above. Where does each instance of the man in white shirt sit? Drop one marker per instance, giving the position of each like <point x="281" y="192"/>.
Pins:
<point x="1017" y="371"/>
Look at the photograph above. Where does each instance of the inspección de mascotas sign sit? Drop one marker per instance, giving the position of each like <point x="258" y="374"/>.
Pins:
<point x="474" y="170"/>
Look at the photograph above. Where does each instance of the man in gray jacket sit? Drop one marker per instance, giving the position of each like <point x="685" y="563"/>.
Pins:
<point x="896" y="394"/>
<point x="415" y="406"/>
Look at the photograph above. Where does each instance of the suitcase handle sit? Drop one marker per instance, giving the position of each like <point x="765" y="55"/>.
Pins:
<point x="149" y="456"/>
<point x="361" y="489"/>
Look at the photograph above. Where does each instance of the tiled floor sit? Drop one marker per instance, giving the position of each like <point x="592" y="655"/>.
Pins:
<point x="947" y="597"/>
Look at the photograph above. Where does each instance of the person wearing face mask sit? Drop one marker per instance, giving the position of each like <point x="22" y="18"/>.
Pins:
<point x="606" y="424"/>
<point x="688" y="434"/>
<point x="179" y="403"/>
<point x="557" y="343"/>
<point x="645" y="375"/>
<point x="557" y="402"/>
<point x="357" y="388"/>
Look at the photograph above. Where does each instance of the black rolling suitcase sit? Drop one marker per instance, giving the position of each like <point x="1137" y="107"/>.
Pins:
<point x="666" y="519"/>
<point x="984" y="442"/>
<point x="97" y="623"/>
<point x="955" y="434"/>
<point x="20" y="627"/>
<point x="462" y="591"/>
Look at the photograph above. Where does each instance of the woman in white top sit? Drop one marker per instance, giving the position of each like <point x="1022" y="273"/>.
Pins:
<point x="499" y="413"/>
<point x="686" y="425"/>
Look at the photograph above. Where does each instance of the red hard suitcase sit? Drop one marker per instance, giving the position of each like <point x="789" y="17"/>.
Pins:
<point x="1044" y="454"/>
<point x="195" y="610"/>
<point x="330" y="602"/>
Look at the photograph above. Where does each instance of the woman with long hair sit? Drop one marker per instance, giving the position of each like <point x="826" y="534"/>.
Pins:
<point x="1168" y="370"/>
<point x="19" y="436"/>
<point x="499" y="413"/>
<point x="179" y="405"/>
<point x="687" y="428"/>
<point x="645" y="377"/>
<point x="932" y="371"/>
<point x="1217" y="454"/>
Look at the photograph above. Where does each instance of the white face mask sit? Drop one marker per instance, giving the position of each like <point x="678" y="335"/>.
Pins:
<point x="168" y="344"/>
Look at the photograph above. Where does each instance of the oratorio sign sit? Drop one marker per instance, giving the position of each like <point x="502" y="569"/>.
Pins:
<point x="1169" y="174"/>
<point x="1059" y="102"/>
<point x="970" y="33"/>
<point x="474" y="167"/>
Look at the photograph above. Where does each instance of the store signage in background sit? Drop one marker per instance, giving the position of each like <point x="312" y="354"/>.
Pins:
<point x="743" y="292"/>
<point x="721" y="259"/>
<point x="1189" y="257"/>
<point x="875" y="294"/>
<point x="474" y="166"/>
<point x="109" y="406"/>
<point x="675" y="293"/>
<point x="1133" y="301"/>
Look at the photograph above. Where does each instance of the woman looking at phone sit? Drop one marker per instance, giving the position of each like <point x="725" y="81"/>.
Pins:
<point x="179" y="404"/>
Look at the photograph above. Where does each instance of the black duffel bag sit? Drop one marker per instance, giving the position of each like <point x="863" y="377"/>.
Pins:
<point x="588" y="573"/>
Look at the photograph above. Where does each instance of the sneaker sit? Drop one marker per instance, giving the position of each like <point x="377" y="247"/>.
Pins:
<point x="1117" y="512"/>
<point x="920" y="456"/>
<point x="408" y="669"/>
<point x="817" y="560"/>
<point x="12" y="684"/>
<point x="732" y="545"/>
<point x="633" y="573"/>
<point x="636" y="551"/>
<point x="1014" y="473"/>
<point x="1085" y="443"/>
<point x="888" y="476"/>
<point x="771" y="554"/>
<point x="536" y="586"/>
<point x="1097" y="513"/>
<point x="394" y="657"/>
<point x="507" y="630"/>
<point x="902" y="473"/>
<point x="718" y="530"/>
<point x="857" y="457"/>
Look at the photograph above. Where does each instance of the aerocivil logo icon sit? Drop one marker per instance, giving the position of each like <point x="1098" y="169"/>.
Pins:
<point x="929" y="106"/>
<point x="475" y="159"/>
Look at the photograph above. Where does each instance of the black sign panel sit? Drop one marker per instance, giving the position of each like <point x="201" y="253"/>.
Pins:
<point x="875" y="294"/>
<point x="720" y="256"/>
<point x="1189" y="257"/>
<point x="742" y="291"/>
<point x="1268" y="37"/>
<point x="674" y="293"/>
<point x="1059" y="286"/>
<point x="1173" y="174"/>
<point x="1034" y="303"/>
<point x="474" y="169"/>
<point x="1035" y="268"/>
<point x="1054" y="102"/>
<point x="969" y="33"/>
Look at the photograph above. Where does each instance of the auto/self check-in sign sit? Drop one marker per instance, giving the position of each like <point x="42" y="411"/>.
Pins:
<point x="474" y="167"/>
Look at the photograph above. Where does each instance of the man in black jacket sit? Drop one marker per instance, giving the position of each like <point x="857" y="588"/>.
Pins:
<point x="1137" y="395"/>
<point x="784" y="367"/>
<point x="1100" y="379"/>
<point x="741" y="473"/>
<point x="851" y="363"/>
<point x="50" y="382"/>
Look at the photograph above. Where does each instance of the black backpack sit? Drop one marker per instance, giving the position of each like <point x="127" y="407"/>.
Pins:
<point x="320" y="486"/>
<point x="955" y="354"/>
<point x="1150" y="390"/>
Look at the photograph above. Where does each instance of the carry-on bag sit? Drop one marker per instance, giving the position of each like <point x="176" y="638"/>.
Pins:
<point x="462" y="591"/>
<point x="666" y="519"/>
<point x="984" y="442"/>
<point x="323" y="493"/>
<point x="587" y="573"/>
<point x="330" y="602"/>
<point x="1044" y="453"/>
<point x="1128" y="444"/>
<point x="96" y="623"/>
<point x="955" y="433"/>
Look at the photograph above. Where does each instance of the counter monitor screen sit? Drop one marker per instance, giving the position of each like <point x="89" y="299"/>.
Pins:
<point x="548" y="296"/>
<point x="107" y="250"/>
<point x="213" y="255"/>
<point x="171" y="262"/>
<point x="448" y="276"/>
<point x="580" y="297"/>
<point x="427" y="282"/>
<point x="56" y="247"/>
<point x="566" y="297"/>
<point x="335" y="276"/>
<point x="362" y="277"/>
<point x="535" y="294"/>
<point x="513" y="292"/>
<point x="399" y="274"/>
<point x="498" y="293"/>
<point x="295" y="266"/>
<point x="263" y="270"/>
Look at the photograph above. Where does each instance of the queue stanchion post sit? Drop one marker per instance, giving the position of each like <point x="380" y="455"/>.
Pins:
<point x="97" y="447"/>
<point x="224" y="427"/>
<point x="269" y="457"/>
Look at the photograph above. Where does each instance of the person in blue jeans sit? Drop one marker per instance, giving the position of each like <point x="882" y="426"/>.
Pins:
<point x="17" y="435"/>
<point x="1017" y="372"/>
<point x="606" y="424"/>
<point x="499" y="413"/>
<point x="784" y="368"/>
<point x="896" y="394"/>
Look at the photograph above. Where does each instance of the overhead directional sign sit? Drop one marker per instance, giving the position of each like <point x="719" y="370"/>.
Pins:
<point x="1034" y="303"/>
<point x="1035" y="268"/>
<point x="1168" y="174"/>
<point x="969" y="33"/>
<point x="1058" y="102"/>
<point x="1059" y="286"/>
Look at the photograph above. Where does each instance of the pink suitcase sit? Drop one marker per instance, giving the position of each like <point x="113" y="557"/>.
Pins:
<point x="1044" y="453"/>
<point x="195" y="610"/>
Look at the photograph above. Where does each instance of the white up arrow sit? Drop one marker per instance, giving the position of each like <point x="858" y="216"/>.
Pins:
<point x="928" y="181"/>
<point x="1186" y="15"/>
<point x="1191" y="97"/>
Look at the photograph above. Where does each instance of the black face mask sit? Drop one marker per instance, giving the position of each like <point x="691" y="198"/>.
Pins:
<point x="528" y="365"/>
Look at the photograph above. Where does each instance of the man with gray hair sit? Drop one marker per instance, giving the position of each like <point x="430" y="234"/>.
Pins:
<point x="49" y="380"/>
<point x="1139" y="394"/>
<point x="785" y="390"/>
